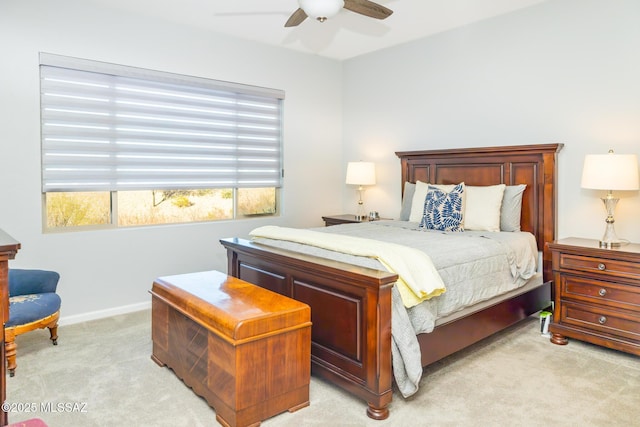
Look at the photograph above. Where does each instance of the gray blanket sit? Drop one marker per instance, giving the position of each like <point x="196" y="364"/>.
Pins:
<point x="474" y="265"/>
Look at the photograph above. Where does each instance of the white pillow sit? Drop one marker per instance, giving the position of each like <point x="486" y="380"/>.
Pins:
<point x="482" y="207"/>
<point x="419" y="194"/>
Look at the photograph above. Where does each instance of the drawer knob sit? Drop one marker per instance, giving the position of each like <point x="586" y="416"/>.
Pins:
<point x="602" y="292"/>
<point x="602" y="267"/>
<point x="602" y="320"/>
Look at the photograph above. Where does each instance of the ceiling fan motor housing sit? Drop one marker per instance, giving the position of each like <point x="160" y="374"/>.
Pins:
<point x="321" y="9"/>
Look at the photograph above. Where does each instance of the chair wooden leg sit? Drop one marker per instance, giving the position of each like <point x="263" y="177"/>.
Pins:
<point x="53" y="327"/>
<point x="53" y="332"/>
<point x="11" y="349"/>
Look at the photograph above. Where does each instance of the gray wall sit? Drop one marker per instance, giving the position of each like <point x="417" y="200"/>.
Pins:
<point x="562" y="71"/>
<point x="106" y="272"/>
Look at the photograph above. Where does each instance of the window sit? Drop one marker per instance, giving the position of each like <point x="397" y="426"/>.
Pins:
<point x="124" y="146"/>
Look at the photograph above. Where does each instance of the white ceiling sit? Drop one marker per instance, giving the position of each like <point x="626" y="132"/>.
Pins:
<point x="344" y="36"/>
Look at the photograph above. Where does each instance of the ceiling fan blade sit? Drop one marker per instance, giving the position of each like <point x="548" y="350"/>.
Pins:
<point x="296" y="18"/>
<point x="368" y="8"/>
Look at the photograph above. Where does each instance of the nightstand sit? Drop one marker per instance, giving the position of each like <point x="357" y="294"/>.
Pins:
<point x="597" y="294"/>
<point x="344" y="219"/>
<point x="341" y="219"/>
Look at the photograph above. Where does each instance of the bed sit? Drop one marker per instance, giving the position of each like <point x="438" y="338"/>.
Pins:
<point x="352" y="305"/>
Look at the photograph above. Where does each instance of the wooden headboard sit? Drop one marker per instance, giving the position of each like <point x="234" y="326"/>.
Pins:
<point x="533" y="165"/>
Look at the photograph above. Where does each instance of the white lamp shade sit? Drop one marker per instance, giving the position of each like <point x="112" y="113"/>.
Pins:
<point x="610" y="172"/>
<point x="321" y="8"/>
<point x="361" y="173"/>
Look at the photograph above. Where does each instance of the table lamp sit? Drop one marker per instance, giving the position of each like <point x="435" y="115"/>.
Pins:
<point x="361" y="174"/>
<point x="610" y="172"/>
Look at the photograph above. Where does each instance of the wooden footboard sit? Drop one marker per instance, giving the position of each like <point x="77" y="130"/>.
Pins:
<point x="350" y="314"/>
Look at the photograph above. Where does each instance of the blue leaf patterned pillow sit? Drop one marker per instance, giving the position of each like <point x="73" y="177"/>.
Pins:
<point x="443" y="211"/>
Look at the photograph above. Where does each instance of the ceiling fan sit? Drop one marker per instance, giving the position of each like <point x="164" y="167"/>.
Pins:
<point x="323" y="9"/>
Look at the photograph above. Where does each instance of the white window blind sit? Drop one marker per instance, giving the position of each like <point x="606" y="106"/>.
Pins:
<point x="107" y="128"/>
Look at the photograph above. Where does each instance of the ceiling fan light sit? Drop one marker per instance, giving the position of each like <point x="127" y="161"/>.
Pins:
<point x="321" y="9"/>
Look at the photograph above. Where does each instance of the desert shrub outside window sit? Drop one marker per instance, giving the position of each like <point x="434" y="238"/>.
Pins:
<point x="124" y="146"/>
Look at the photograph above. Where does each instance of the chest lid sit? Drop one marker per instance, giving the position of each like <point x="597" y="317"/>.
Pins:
<point x="231" y="307"/>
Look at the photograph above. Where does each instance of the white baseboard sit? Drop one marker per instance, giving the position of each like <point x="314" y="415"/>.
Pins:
<point x="101" y="314"/>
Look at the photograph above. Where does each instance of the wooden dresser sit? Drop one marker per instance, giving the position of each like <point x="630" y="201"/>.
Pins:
<point x="597" y="294"/>
<point x="8" y="249"/>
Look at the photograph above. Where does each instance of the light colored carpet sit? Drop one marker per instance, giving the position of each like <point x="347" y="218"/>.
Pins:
<point x="516" y="378"/>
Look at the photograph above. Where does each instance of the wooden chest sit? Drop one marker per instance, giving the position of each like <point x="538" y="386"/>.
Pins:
<point x="243" y="348"/>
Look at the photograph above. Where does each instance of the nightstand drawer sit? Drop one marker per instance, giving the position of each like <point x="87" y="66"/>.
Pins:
<point x="600" y="292"/>
<point x="605" y="267"/>
<point x="601" y="319"/>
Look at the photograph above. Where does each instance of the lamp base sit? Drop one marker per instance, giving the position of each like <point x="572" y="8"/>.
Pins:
<point x="610" y="239"/>
<point x="360" y="214"/>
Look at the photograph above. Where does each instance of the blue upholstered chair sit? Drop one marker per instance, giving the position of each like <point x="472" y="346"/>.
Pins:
<point x="33" y="304"/>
